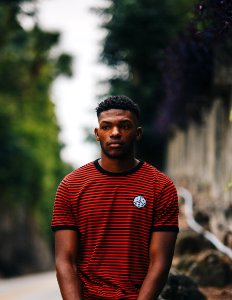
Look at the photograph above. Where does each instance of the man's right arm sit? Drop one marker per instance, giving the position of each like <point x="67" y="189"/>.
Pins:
<point x="66" y="252"/>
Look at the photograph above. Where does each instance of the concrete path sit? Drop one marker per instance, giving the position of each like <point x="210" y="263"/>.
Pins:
<point x="41" y="286"/>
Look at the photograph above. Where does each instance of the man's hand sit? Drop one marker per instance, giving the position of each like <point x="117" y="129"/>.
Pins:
<point x="66" y="251"/>
<point x="161" y="254"/>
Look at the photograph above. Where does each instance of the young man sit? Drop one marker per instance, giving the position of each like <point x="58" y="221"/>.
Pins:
<point x="115" y="219"/>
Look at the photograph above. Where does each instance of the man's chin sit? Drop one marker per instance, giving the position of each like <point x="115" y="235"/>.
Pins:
<point x="115" y="154"/>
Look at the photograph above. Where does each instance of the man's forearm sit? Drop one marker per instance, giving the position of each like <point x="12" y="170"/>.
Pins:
<point x="154" y="282"/>
<point x="69" y="282"/>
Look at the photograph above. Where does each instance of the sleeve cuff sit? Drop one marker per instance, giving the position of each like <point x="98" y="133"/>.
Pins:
<point x="64" y="227"/>
<point x="165" y="228"/>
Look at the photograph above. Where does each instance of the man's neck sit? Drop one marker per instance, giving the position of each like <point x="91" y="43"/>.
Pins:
<point x="117" y="165"/>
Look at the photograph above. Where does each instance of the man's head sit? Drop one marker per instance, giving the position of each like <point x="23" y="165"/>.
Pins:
<point x="118" y="131"/>
<point x="119" y="102"/>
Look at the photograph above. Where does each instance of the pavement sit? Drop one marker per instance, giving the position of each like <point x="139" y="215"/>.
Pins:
<point x="41" y="286"/>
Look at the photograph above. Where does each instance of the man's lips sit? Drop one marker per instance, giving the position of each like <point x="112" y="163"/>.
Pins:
<point x="115" y="144"/>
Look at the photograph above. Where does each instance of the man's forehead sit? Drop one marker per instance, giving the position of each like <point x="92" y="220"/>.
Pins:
<point x="116" y="114"/>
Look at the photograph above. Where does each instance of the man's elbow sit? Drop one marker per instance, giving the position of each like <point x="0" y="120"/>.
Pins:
<point x="61" y="266"/>
<point x="65" y="266"/>
<point x="160" y="266"/>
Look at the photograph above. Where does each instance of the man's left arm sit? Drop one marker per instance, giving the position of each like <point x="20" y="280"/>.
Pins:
<point x="160" y="253"/>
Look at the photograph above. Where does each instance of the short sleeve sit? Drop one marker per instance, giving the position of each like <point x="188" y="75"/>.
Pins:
<point x="62" y="211"/>
<point x="166" y="209"/>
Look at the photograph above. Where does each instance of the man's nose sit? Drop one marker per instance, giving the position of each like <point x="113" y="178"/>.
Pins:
<point x="115" y="132"/>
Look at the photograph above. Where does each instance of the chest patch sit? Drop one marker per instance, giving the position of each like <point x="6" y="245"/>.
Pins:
<point x="139" y="201"/>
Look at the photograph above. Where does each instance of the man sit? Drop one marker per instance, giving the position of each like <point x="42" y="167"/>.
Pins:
<point x="115" y="219"/>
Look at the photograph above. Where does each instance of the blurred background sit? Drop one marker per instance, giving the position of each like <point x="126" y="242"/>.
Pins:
<point x="58" y="59"/>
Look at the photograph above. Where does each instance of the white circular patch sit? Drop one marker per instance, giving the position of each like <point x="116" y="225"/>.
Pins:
<point x="139" y="201"/>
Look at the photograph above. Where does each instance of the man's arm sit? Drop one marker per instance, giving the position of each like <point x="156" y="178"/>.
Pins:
<point x="66" y="251"/>
<point x="161" y="254"/>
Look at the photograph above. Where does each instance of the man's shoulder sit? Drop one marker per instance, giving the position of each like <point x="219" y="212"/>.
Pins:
<point x="80" y="173"/>
<point x="159" y="176"/>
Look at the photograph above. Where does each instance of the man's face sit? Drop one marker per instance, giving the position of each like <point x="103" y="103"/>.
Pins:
<point x="117" y="133"/>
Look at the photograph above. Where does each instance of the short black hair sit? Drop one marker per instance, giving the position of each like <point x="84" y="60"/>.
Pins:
<point x="118" y="102"/>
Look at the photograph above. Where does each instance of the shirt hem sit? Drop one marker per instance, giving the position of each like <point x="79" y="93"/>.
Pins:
<point x="64" y="227"/>
<point x="165" y="228"/>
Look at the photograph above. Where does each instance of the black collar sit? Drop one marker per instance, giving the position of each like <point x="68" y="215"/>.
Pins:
<point x="132" y="170"/>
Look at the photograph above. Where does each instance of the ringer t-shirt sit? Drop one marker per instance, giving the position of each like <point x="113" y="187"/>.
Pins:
<point x="115" y="215"/>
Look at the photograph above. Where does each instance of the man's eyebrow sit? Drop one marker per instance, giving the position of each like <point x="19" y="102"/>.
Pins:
<point x="107" y="122"/>
<point x="124" y="121"/>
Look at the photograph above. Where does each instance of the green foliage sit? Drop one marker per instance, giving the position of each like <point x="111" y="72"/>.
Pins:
<point x="30" y="152"/>
<point x="137" y="33"/>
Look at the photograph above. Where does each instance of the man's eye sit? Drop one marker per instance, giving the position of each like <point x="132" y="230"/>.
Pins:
<point x="126" y="126"/>
<point x="105" y="127"/>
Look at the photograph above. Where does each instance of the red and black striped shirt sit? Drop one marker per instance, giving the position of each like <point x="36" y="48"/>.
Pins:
<point x="115" y="214"/>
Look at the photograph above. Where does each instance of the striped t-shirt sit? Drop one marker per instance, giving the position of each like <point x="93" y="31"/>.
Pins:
<point x="115" y="214"/>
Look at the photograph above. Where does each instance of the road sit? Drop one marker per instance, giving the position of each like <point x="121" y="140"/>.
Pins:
<point x="32" y="287"/>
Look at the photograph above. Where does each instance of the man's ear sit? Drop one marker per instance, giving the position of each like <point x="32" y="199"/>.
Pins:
<point x="139" y="133"/>
<point x="96" y="133"/>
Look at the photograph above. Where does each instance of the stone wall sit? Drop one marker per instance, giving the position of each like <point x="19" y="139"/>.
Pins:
<point x="200" y="159"/>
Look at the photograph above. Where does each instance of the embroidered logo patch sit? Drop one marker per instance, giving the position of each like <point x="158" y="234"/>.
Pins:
<point x="139" y="201"/>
